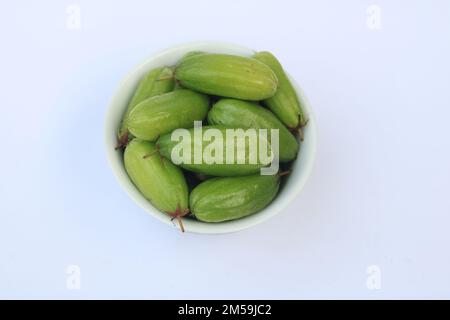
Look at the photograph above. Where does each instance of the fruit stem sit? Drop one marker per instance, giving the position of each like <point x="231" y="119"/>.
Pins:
<point x="302" y="122"/>
<point x="178" y="214"/>
<point x="300" y="133"/>
<point x="122" y="141"/>
<point x="165" y="78"/>
<point x="180" y="222"/>
<point x="200" y="176"/>
<point x="283" y="173"/>
<point x="145" y="156"/>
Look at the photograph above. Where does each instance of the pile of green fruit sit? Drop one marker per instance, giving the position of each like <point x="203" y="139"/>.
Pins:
<point x="245" y="92"/>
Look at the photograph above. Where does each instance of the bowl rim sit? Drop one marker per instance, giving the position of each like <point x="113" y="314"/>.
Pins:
<point x="194" y="226"/>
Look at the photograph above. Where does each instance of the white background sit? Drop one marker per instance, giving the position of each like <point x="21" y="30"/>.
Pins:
<point x="379" y="193"/>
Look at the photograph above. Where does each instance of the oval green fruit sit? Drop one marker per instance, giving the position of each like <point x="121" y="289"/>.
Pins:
<point x="227" y="76"/>
<point x="160" y="181"/>
<point x="223" y="199"/>
<point x="197" y="154"/>
<point x="242" y="114"/>
<point x="163" y="113"/>
<point x="285" y="103"/>
<point x="157" y="81"/>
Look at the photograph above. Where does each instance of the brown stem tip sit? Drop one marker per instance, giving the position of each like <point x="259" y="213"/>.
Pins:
<point x="122" y="141"/>
<point x="300" y="134"/>
<point x="302" y="122"/>
<point x="283" y="173"/>
<point x="178" y="214"/>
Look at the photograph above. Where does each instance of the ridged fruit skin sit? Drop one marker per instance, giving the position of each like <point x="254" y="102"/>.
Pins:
<point x="285" y="103"/>
<point x="242" y="114"/>
<point x="230" y="198"/>
<point x="163" y="113"/>
<point x="227" y="75"/>
<point x="160" y="181"/>
<point x="149" y="86"/>
<point x="165" y="146"/>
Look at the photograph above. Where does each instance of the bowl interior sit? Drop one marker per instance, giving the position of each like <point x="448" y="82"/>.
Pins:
<point x="301" y="167"/>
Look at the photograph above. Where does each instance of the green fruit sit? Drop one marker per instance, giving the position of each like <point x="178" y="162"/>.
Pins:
<point x="163" y="113"/>
<point x="241" y="114"/>
<point x="284" y="103"/>
<point x="227" y="75"/>
<point x="223" y="199"/>
<point x="149" y="86"/>
<point x="226" y="168"/>
<point x="160" y="181"/>
<point x="186" y="56"/>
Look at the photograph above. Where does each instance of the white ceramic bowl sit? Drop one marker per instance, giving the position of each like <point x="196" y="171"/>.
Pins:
<point x="301" y="168"/>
